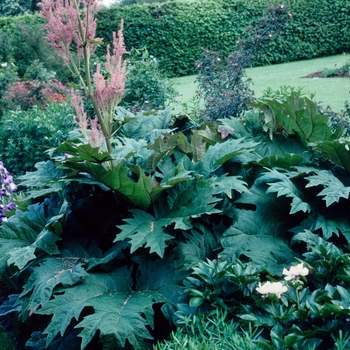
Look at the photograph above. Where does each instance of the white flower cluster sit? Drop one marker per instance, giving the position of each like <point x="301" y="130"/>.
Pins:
<point x="295" y="272"/>
<point x="278" y="288"/>
<point x="272" y="288"/>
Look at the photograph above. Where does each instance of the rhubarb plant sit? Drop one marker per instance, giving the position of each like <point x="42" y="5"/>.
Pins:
<point x="114" y="222"/>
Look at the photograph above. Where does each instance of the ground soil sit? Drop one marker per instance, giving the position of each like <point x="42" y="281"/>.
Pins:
<point x="321" y="75"/>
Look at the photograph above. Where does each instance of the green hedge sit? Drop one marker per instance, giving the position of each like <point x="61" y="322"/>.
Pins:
<point x="176" y="32"/>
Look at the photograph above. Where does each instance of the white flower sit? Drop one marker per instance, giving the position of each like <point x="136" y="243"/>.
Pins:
<point x="272" y="288"/>
<point x="295" y="271"/>
<point x="4" y="64"/>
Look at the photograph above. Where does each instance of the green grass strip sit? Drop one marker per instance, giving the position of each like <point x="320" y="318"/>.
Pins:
<point x="330" y="91"/>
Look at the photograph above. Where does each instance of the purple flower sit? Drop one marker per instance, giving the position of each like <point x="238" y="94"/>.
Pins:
<point x="9" y="206"/>
<point x="7" y="186"/>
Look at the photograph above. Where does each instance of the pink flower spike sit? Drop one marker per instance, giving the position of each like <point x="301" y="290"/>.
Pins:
<point x="108" y="92"/>
<point x="96" y="134"/>
<point x="63" y="29"/>
<point x="82" y="121"/>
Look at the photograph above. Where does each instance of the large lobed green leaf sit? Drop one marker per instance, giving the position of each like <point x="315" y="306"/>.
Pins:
<point x="44" y="181"/>
<point x="37" y="229"/>
<point x="337" y="151"/>
<point x="145" y="230"/>
<point x="281" y="184"/>
<point x="257" y="238"/>
<point x="119" y="311"/>
<point x="333" y="190"/>
<point x="297" y="115"/>
<point x="186" y="200"/>
<point x="46" y="276"/>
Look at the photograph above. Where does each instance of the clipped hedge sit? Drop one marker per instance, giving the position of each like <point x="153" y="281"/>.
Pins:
<point x="176" y="32"/>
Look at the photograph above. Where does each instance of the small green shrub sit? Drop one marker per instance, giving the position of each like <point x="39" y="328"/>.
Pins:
<point x="26" y="135"/>
<point x="8" y="75"/>
<point x="283" y="92"/>
<point x="24" y="42"/>
<point x="339" y="119"/>
<point x="146" y="87"/>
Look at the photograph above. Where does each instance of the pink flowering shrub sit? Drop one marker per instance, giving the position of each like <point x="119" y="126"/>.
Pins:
<point x="24" y="94"/>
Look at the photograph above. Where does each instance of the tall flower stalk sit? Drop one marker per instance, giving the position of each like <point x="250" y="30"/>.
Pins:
<point x="71" y="29"/>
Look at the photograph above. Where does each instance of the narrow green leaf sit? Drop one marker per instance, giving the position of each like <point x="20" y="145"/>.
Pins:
<point x="198" y="146"/>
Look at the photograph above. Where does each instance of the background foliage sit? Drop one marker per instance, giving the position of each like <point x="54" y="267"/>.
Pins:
<point x="25" y="136"/>
<point x="176" y="32"/>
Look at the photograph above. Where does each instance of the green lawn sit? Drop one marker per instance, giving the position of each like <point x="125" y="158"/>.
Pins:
<point x="331" y="91"/>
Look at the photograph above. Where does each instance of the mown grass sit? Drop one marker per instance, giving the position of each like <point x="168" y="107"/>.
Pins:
<point x="330" y="91"/>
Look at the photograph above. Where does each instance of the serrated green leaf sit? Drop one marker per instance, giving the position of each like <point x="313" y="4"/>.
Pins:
<point x="84" y="152"/>
<point x="226" y="184"/>
<point x="333" y="187"/>
<point x="124" y="322"/>
<point x="148" y="126"/>
<point x="26" y="232"/>
<point x="20" y="256"/>
<point x="47" y="276"/>
<point x="118" y="309"/>
<point x="192" y="199"/>
<point x="221" y="152"/>
<point x="43" y="181"/>
<point x="65" y="307"/>
<point x="141" y="192"/>
<point x="337" y="151"/>
<point x="145" y="230"/>
<point x="209" y="133"/>
<point x="283" y="186"/>
<point x="114" y="253"/>
<point x="183" y="144"/>
<point x="297" y="115"/>
<point x="171" y="173"/>
<point x="256" y="240"/>
<point x="330" y="226"/>
<point x="162" y="146"/>
<point x="308" y="237"/>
